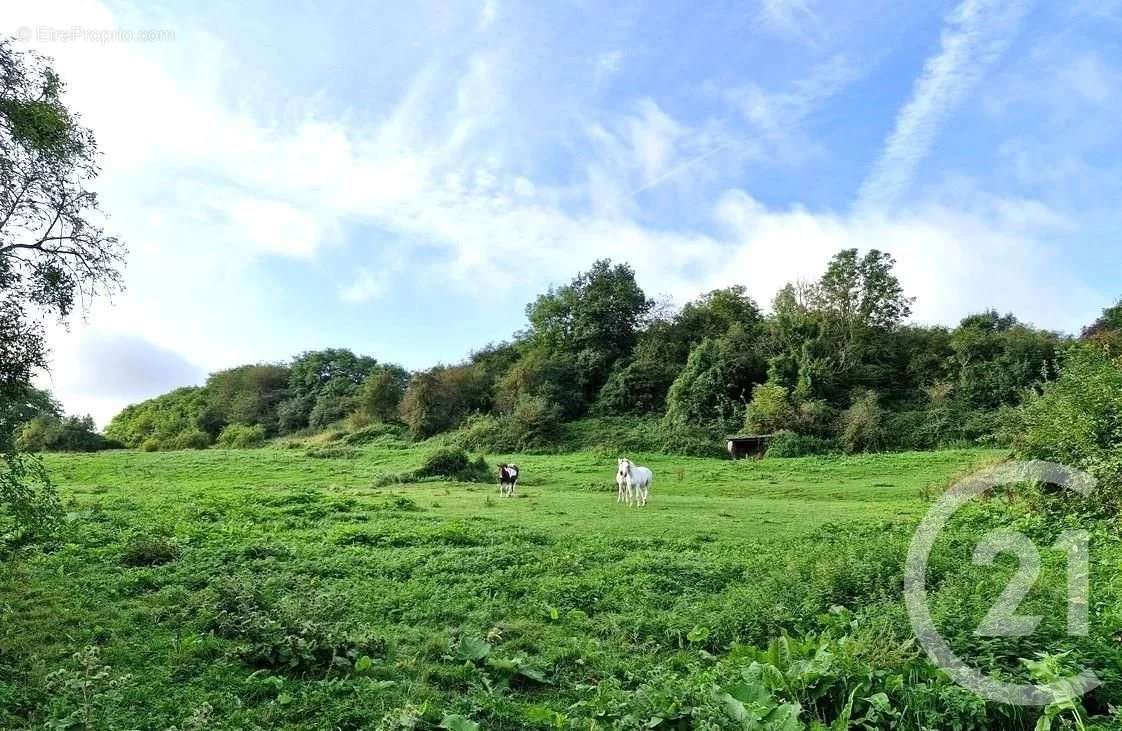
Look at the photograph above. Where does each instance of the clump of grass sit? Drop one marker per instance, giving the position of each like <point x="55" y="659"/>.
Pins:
<point x="149" y="550"/>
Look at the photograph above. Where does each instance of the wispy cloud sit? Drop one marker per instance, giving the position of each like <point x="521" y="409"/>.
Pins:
<point x="793" y="19"/>
<point x="778" y="116"/>
<point x="976" y="34"/>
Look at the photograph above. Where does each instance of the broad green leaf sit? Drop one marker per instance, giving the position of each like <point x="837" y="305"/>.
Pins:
<point x="458" y="723"/>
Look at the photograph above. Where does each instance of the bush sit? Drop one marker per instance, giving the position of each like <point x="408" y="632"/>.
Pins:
<point x="159" y="420"/>
<point x="292" y="415"/>
<point x="535" y="423"/>
<point x="454" y="463"/>
<point x="691" y="441"/>
<point x="241" y="436"/>
<point x="770" y="410"/>
<point x="382" y="393"/>
<point x="28" y="500"/>
<point x="332" y="452"/>
<point x="329" y="408"/>
<point x="193" y="439"/>
<point x="486" y="433"/>
<point x="699" y="395"/>
<point x="144" y="550"/>
<point x="384" y="433"/>
<point x="789" y="444"/>
<point x="1077" y="419"/>
<point x="863" y="424"/>
<point x="150" y="445"/>
<point x="444" y="462"/>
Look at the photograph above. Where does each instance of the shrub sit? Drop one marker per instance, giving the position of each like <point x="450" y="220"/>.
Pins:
<point x="863" y="424"/>
<point x="816" y="417"/>
<point x="787" y="443"/>
<point x="329" y="408"/>
<point x="193" y="439"/>
<point x="691" y="441"/>
<point x="159" y="419"/>
<point x="486" y="433"/>
<point x="1077" y="419"/>
<point x="770" y="410"/>
<point x="454" y="463"/>
<point x="332" y="452"/>
<point x="377" y="432"/>
<point x="382" y="393"/>
<point x="145" y="550"/>
<point x="444" y="462"/>
<point x="699" y="393"/>
<point x="150" y="445"/>
<point x="241" y="436"/>
<point x="292" y="415"/>
<point x="28" y="499"/>
<point x="535" y="423"/>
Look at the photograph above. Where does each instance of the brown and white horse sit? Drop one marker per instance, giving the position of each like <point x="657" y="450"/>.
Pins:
<point x="508" y="479"/>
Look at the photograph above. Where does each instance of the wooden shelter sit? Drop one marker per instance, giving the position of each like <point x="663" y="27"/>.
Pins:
<point x="742" y="446"/>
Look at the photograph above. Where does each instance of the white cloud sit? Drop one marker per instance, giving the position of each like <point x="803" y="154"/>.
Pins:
<point x="792" y="18"/>
<point x="953" y="260"/>
<point x="977" y="33"/>
<point x="607" y="64"/>
<point x="367" y="285"/>
<point x="778" y="117"/>
<point x="204" y="191"/>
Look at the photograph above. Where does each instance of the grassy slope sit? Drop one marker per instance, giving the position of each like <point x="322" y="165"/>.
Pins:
<point x="566" y="582"/>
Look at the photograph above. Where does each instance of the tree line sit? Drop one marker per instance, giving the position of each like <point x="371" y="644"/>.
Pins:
<point x="833" y="365"/>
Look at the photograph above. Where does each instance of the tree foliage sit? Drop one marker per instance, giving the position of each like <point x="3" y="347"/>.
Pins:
<point x="382" y="393"/>
<point x="248" y="394"/>
<point x="594" y="321"/>
<point x="52" y="433"/>
<point x="1077" y="419"/>
<point x="54" y="254"/>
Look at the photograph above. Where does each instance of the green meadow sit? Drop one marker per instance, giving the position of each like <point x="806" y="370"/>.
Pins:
<point x="270" y="588"/>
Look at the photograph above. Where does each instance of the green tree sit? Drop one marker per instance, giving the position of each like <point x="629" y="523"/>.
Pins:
<point x="1106" y="330"/>
<point x="441" y="398"/>
<point x="698" y="395"/>
<point x="770" y="410"/>
<point x="863" y="424"/>
<point x="382" y="392"/>
<point x="717" y="311"/>
<point x="169" y="421"/>
<point x="594" y="320"/>
<point x="997" y="360"/>
<point x="53" y="254"/>
<point x="323" y="383"/>
<point x="248" y="394"/>
<point x="555" y="377"/>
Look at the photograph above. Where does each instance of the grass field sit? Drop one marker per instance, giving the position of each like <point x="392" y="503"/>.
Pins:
<point x="269" y="589"/>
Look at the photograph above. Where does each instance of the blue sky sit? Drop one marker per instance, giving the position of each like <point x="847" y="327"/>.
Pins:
<point x="402" y="178"/>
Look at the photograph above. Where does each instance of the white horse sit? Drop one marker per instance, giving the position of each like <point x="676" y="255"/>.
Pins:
<point x="634" y="481"/>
